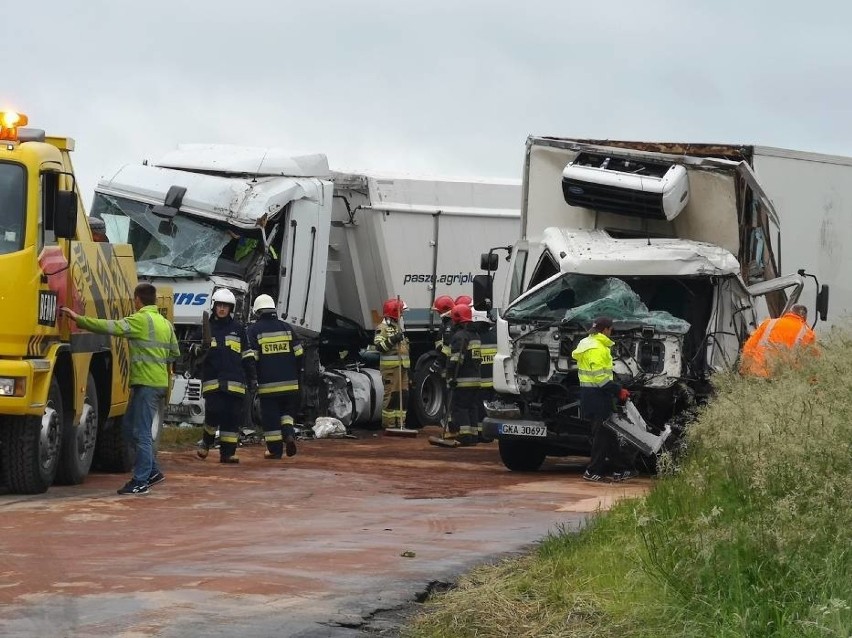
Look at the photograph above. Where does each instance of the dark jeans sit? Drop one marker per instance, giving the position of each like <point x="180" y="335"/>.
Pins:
<point x="605" y="452"/>
<point x="142" y="409"/>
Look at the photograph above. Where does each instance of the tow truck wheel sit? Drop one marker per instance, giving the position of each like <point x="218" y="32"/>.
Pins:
<point x="31" y="447"/>
<point x="427" y="394"/>
<point x="78" y="442"/>
<point x="520" y="455"/>
<point x="114" y="451"/>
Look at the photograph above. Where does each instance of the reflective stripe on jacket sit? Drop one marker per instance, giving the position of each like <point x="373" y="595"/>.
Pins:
<point x="488" y="337"/>
<point x="774" y="335"/>
<point x="465" y="358"/>
<point x="153" y="344"/>
<point x="228" y="363"/>
<point x="391" y="355"/>
<point x="277" y="350"/>
<point x="594" y="360"/>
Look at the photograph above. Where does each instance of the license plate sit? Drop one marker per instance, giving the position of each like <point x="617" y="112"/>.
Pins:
<point x="178" y="409"/>
<point x="523" y="430"/>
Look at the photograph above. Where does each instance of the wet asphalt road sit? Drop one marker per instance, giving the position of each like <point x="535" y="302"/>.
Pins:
<point x="341" y="540"/>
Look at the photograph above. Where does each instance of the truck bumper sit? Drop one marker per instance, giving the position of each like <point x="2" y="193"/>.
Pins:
<point x="23" y="373"/>
<point x="185" y="402"/>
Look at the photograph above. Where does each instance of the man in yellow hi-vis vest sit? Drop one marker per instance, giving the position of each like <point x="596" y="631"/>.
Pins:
<point x="153" y="347"/>
<point x="598" y="391"/>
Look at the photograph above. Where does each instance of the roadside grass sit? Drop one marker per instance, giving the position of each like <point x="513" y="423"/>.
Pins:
<point x="748" y="534"/>
<point x="173" y="437"/>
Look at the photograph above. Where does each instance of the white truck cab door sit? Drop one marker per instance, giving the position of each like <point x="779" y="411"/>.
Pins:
<point x="304" y="260"/>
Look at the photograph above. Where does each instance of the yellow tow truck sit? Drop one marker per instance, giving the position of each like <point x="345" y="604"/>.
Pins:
<point x="63" y="391"/>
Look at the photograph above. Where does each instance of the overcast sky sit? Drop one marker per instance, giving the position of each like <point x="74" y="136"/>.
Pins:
<point x="443" y="88"/>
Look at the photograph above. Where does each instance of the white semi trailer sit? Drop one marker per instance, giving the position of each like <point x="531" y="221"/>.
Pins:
<point x="329" y="246"/>
<point x="678" y="243"/>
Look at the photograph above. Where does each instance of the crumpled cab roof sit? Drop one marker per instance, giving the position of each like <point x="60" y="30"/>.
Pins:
<point x="596" y="252"/>
<point x="239" y="201"/>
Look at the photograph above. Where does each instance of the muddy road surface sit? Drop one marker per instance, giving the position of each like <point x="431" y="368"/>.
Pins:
<point x="340" y="540"/>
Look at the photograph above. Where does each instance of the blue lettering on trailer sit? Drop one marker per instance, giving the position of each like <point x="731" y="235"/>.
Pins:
<point x="191" y="299"/>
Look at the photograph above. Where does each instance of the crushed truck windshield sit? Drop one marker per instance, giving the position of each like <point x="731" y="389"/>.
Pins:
<point x="190" y="247"/>
<point x="581" y="298"/>
<point x="12" y="195"/>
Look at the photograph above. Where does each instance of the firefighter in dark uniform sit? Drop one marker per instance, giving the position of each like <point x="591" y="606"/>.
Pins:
<point x="444" y="307"/>
<point x="278" y="352"/>
<point x="488" y="348"/>
<point x="227" y="373"/>
<point x="463" y="374"/>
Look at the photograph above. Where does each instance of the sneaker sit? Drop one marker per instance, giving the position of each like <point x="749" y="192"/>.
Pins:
<point x="290" y="446"/>
<point x="202" y="451"/>
<point x="271" y="456"/>
<point x="594" y="478"/>
<point x="158" y="477"/>
<point x="229" y="459"/>
<point x="625" y="475"/>
<point x="132" y="487"/>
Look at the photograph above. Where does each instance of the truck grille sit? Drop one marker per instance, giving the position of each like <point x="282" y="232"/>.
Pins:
<point x="611" y="199"/>
<point x="193" y="390"/>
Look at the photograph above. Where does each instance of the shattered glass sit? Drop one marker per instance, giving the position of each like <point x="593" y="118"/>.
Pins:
<point x="182" y="246"/>
<point x="581" y="298"/>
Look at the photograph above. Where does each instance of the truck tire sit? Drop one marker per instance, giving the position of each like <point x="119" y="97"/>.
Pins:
<point x="520" y="455"/>
<point x="115" y="454"/>
<point x="78" y="442"/>
<point x="112" y="452"/>
<point x="32" y="445"/>
<point x="428" y="394"/>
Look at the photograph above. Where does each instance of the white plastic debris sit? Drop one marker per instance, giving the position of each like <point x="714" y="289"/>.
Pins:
<point x="328" y="426"/>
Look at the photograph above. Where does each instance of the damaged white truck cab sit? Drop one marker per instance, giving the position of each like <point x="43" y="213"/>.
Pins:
<point x="203" y="219"/>
<point x="330" y="247"/>
<point x="673" y="243"/>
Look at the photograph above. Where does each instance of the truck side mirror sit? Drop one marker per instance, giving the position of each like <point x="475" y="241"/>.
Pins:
<point x="171" y="205"/>
<point x="65" y="215"/>
<point x="822" y="303"/>
<point x="482" y="295"/>
<point x="488" y="261"/>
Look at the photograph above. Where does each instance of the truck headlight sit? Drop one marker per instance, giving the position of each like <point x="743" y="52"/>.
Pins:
<point x="12" y="386"/>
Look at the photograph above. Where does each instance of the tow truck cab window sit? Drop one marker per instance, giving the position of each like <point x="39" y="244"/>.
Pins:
<point x="12" y="198"/>
<point x="49" y="184"/>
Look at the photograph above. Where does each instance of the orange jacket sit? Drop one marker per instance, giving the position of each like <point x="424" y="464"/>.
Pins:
<point x="773" y="336"/>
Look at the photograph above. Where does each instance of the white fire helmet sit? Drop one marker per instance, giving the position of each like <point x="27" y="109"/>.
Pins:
<point x="223" y="295"/>
<point x="263" y="302"/>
